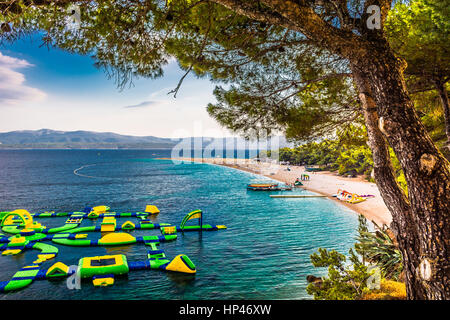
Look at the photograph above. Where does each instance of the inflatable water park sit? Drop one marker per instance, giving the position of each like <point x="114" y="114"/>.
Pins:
<point x="21" y="232"/>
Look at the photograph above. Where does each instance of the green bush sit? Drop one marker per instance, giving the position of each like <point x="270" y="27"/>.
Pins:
<point x="379" y="248"/>
<point x="349" y="281"/>
<point x="344" y="281"/>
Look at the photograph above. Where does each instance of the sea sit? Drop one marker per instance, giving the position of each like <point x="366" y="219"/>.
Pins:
<point x="263" y="254"/>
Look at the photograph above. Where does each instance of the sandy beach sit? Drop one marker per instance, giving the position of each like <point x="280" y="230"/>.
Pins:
<point x="324" y="183"/>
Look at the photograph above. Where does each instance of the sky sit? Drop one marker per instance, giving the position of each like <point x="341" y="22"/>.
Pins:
<point x="54" y="89"/>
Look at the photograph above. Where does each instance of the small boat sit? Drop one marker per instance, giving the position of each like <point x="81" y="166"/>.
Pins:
<point x="267" y="187"/>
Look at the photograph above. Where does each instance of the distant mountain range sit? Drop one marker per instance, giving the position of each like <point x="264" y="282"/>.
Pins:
<point x="52" y="139"/>
<point x="46" y="138"/>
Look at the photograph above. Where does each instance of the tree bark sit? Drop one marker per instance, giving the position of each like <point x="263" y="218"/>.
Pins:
<point x="392" y="194"/>
<point x="443" y="95"/>
<point x="423" y="231"/>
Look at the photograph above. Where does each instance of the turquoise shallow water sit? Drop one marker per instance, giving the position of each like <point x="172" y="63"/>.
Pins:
<point x="264" y="253"/>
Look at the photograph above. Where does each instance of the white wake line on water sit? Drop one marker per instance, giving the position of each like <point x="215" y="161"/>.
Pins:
<point x="75" y="172"/>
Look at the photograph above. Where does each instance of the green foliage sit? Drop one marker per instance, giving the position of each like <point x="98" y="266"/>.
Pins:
<point x="348" y="153"/>
<point x="344" y="282"/>
<point x="347" y="280"/>
<point x="312" y="153"/>
<point x="294" y="93"/>
<point x="419" y="32"/>
<point x="357" y="160"/>
<point x="429" y="108"/>
<point x="379" y="248"/>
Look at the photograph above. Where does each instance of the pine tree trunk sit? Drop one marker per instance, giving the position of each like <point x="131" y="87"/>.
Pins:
<point x="393" y="196"/>
<point x="443" y="95"/>
<point x="423" y="232"/>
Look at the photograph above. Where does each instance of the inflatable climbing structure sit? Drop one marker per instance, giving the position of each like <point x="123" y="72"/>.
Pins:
<point x="22" y="232"/>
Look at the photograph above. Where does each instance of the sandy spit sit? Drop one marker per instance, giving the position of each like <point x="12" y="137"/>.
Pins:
<point x="324" y="183"/>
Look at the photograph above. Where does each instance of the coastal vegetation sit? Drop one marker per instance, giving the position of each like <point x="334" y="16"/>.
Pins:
<point x="348" y="154"/>
<point x="307" y="68"/>
<point x="332" y="155"/>
<point x="347" y="158"/>
<point x="379" y="248"/>
<point x="372" y="270"/>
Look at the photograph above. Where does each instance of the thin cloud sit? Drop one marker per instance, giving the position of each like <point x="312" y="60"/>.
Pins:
<point x="12" y="88"/>
<point x="143" y="104"/>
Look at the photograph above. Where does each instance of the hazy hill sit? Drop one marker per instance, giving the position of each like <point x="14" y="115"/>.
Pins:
<point x="51" y="139"/>
<point x="79" y="139"/>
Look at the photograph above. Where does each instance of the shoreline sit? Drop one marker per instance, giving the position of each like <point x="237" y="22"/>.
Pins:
<point x="323" y="183"/>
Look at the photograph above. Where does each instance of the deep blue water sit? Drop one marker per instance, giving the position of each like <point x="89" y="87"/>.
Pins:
<point x="264" y="253"/>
